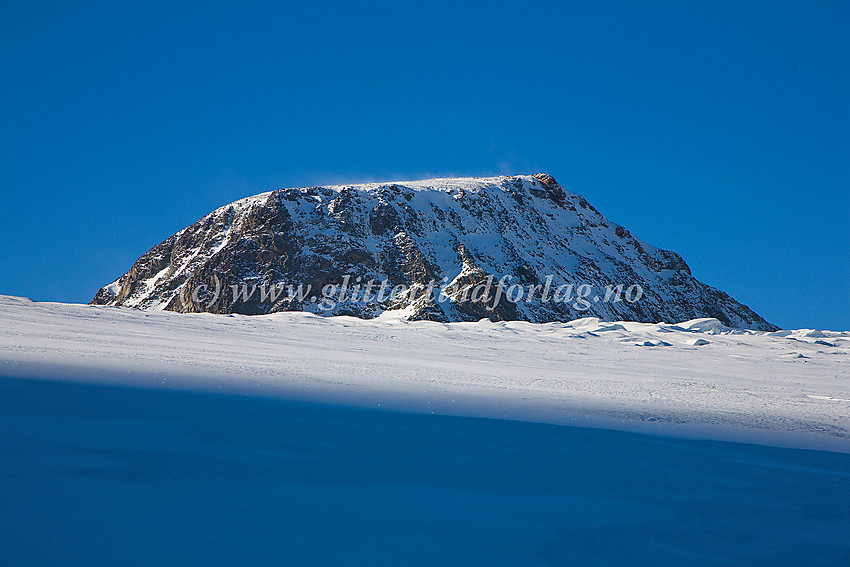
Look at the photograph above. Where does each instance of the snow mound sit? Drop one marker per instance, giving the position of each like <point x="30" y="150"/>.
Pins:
<point x="707" y="325"/>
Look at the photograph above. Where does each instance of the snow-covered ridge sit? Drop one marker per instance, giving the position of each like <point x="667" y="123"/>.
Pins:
<point x="458" y="231"/>
<point x="696" y="378"/>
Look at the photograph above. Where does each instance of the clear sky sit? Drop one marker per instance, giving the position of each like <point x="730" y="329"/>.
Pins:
<point x="720" y="130"/>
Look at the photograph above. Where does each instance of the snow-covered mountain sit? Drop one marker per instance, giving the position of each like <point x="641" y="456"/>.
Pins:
<point x="316" y="248"/>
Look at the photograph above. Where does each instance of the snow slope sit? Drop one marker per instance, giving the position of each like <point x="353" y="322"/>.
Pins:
<point x="97" y="475"/>
<point x="134" y="437"/>
<point x="693" y="379"/>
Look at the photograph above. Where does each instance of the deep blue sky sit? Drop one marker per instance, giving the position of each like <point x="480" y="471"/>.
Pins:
<point x="719" y="130"/>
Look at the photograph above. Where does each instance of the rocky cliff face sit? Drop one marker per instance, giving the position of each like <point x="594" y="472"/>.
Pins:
<point x="505" y="248"/>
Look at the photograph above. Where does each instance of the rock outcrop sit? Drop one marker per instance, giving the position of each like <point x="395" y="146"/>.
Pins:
<point x="441" y="250"/>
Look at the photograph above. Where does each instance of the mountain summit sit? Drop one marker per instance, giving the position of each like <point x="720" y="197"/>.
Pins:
<point x="461" y="249"/>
